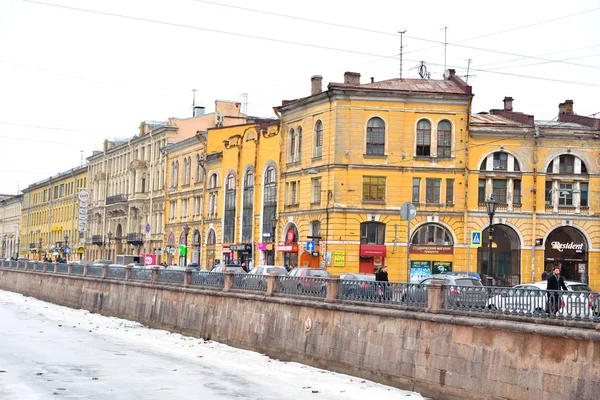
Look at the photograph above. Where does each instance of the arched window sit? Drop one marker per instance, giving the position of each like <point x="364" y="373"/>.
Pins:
<point x="299" y="152"/>
<point x="292" y="137"/>
<point x="211" y="240"/>
<point x="424" y="138"/>
<point x="212" y="183"/>
<point x="229" y="215"/>
<point x="187" y="174"/>
<point x="567" y="183"/>
<point x="432" y="234"/>
<point x="269" y="200"/>
<point x="318" y="139"/>
<point x="376" y="137"/>
<point x="444" y="142"/>
<point x="173" y="174"/>
<point x="248" y="208"/>
<point x="198" y="170"/>
<point x="315" y="228"/>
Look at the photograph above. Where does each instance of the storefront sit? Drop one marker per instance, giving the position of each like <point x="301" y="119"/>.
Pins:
<point x="506" y="256"/>
<point x="226" y="256"/>
<point x="431" y="251"/>
<point x="371" y="257"/>
<point x="267" y="253"/>
<point x="170" y="248"/>
<point x="211" y="241"/>
<point x="243" y="253"/>
<point x="290" y="247"/>
<point x="195" y="246"/>
<point x="567" y="247"/>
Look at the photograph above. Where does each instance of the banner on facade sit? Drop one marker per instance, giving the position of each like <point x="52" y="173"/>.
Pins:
<point x="339" y="258"/>
<point x="439" y="267"/>
<point x="431" y="249"/>
<point x="419" y="270"/>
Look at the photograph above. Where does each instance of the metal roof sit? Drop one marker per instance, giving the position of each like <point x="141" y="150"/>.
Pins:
<point x="488" y="119"/>
<point x="406" y="85"/>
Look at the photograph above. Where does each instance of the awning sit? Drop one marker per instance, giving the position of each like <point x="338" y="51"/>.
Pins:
<point x="372" y="250"/>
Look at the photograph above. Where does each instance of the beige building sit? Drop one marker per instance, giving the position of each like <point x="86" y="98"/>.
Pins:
<point x="10" y="217"/>
<point x="127" y="182"/>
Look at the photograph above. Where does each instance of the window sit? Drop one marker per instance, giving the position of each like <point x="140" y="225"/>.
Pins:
<point x="566" y="165"/>
<point x="212" y="238"/>
<point x="248" y="208"/>
<point x="143" y="185"/>
<point x="444" y="145"/>
<point x="584" y="195"/>
<point x="423" y="138"/>
<point x="212" y="183"/>
<point x="432" y="191"/>
<point x="184" y="208"/>
<point x="549" y="192"/>
<point x="56" y="192"/>
<point x="198" y="177"/>
<point x="229" y="216"/>
<point x="432" y="234"/>
<point x="172" y="209"/>
<point x="197" y="205"/>
<point x="565" y="197"/>
<point x="481" y="191"/>
<point x="269" y="202"/>
<point x="292" y="137"/>
<point x="449" y="191"/>
<point x="299" y="152"/>
<point x="316" y="191"/>
<point x="373" y="188"/>
<point x="372" y="233"/>
<point x="500" y="161"/>
<point x="416" y="190"/>
<point x="187" y="173"/>
<point x="62" y="190"/>
<point x="499" y="190"/>
<point x="319" y="139"/>
<point x="375" y="137"/>
<point x="212" y="205"/>
<point x="292" y="193"/>
<point x="315" y="228"/>
<point x="517" y="191"/>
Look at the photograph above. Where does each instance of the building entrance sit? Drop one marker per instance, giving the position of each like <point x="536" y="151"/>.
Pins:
<point x="567" y="247"/>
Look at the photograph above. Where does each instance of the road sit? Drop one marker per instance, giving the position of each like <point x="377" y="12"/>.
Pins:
<point x="52" y="352"/>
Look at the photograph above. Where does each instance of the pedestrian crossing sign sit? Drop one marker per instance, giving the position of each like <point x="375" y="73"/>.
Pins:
<point x="475" y="238"/>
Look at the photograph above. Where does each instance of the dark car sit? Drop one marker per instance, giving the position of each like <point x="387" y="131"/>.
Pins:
<point x="357" y="285"/>
<point x="306" y="280"/>
<point x="216" y="277"/>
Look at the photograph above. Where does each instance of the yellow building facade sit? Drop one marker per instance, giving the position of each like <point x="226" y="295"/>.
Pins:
<point x="50" y="217"/>
<point x="234" y="200"/>
<point x="354" y="154"/>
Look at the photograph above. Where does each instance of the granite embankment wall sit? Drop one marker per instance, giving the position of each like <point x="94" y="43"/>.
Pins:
<point x="437" y="354"/>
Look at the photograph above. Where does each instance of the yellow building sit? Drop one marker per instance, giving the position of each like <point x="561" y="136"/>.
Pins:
<point x="50" y="217"/>
<point x="222" y="205"/>
<point x="544" y="177"/>
<point x="354" y="154"/>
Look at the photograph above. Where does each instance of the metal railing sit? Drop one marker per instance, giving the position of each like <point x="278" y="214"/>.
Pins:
<point x="214" y="279"/>
<point x="94" y="270"/>
<point x="115" y="272"/>
<point x="536" y="303"/>
<point x="171" y="277"/>
<point x="77" y="269"/>
<point x="62" y="268"/>
<point x="408" y="294"/>
<point x="250" y="282"/>
<point x="141" y="274"/>
<point x="302" y="286"/>
<point x="118" y="198"/>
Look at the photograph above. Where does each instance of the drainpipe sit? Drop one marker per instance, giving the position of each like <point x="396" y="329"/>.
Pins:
<point x="535" y="198"/>
<point x="204" y="200"/>
<point x="466" y="230"/>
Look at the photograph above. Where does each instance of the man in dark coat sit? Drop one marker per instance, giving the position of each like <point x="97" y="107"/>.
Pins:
<point x="555" y="283"/>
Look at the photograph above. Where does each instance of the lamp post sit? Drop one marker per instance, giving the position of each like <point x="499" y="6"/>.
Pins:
<point x="490" y="204"/>
<point x="65" y="247"/>
<point x="274" y="225"/>
<point x="109" y="235"/>
<point x="186" y="232"/>
<point x="40" y="249"/>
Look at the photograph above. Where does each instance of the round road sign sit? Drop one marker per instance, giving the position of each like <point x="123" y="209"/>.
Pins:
<point x="408" y="211"/>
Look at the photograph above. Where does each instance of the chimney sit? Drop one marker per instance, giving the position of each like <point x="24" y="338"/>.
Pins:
<point x="569" y="107"/>
<point x="352" y="78"/>
<point x="316" y="84"/>
<point x="372" y="79"/>
<point x="449" y="73"/>
<point x="198" y="111"/>
<point x="508" y="103"/>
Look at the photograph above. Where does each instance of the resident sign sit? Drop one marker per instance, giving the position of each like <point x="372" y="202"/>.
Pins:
<point x="567" y="246"/>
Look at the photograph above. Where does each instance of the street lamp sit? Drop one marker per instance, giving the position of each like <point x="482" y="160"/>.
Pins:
<point x="66" y="245"/>
<point x="109" y="235"/>
<point x="186" y="232"/>
<point x="274" y="225"/>
<point x="490" y="204"/>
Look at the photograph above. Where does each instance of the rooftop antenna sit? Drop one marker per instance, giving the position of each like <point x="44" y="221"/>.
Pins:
<point x="401" y="52"/>
<point x="423" y="71"/>
<point x="193" y="101"/>
<point x="245" y="104"/>
<point x="445" y="44"/>
<point x="468" y="69"/>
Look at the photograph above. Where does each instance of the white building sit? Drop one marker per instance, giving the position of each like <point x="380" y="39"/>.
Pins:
<point x="10" y="217"/>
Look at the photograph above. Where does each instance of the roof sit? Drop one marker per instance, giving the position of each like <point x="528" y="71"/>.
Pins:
<point x="565" y="125"/>
<point x="488" y="119"/>
<point x="406" y="85"/>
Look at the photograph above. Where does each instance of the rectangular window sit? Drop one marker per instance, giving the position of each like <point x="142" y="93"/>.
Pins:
<point x="316" y="191"/>
<point x="566" y="164"/>
<point x="432" y="191"/>
<point x="292" y="193"/>
<point x="449" y="191"/>
<point x="197" y="206"/>
<point x="584" y="195"/>
<point x="416" y="190"/>
<point x="373" y="188"/>
<point x="481" y="192"/>
<point x="548" y="192"/>
<point x="173" y="209"/>
<point x="499" y="190"/>
<point x="184" y="208"/>
<point x="45" y="195"/>
<point x="500" y="161"/>
<point x="517" y="191"/>
<point x="565" y="197"/>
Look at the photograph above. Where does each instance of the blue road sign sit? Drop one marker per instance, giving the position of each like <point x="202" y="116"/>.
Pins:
<point x="67" y="250"/>
<point x="147" y="228"/>
<point x="475" y="238"/>
<point x="310" y="246"/>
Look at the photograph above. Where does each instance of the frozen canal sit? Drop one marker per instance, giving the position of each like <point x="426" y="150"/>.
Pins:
<point x="52" y="352"/>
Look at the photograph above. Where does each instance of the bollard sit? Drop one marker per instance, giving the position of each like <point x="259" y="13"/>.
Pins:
<point x="85" y="269"/>
<point x="333" y="288"/>
<point x="45" y="267"/>
<point x="55" y="265"/>
<point x="228" y="284"/>
<point x="271" y="284"/>
<point x="435" y="296"/>
<point x="69" y="269"/>
<point x="128" y="272"/>
<point x="104" y="271"/>
<point x="155" y="274"/>
<point x="187" y="277"/>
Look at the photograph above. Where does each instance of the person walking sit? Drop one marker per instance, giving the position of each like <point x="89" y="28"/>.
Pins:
<point x="382" y="276"/>
<point x="555" y="284"/>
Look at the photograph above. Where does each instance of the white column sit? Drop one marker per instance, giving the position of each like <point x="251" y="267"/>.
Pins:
<point x="509" y="190"/>
<point x="555" y="194"/>
<point x="510" y="163"/>
<point x="489" y="163"/>
<point x="577" y="166"/>
<point x="577" y="196"/>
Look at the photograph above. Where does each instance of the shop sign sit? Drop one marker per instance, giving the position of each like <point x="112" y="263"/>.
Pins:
<point x="339" y="258"/>
<point x="439" y="267"/>
<point x="261" y="246"/>
<point x="226" y="250"/>
<point x="288" y="248"/>
<point x="290" y="237"/>
<point x="241" y="247"/>
<point x="315" y="254"/>
<point x="419" y="270"/>
<point x="431" y="249"/>
<point x="567" y="246"/>
<point x="372" y="250"/>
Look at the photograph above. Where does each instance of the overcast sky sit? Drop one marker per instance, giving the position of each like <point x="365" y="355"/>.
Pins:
<point x="70" y="78"/>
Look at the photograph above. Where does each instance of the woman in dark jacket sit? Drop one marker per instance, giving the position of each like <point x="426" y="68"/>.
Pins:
<point x="382" y="274"/>
<point x="382" y="290"/>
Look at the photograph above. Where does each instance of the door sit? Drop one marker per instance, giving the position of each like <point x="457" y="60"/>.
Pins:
<point x="366" y="265"/>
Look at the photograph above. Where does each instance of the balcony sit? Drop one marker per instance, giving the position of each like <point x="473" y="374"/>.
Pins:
<point x="119" y="198"/>
<point x="97" y="240"/>
<point x="137" y="239"/>
<point x="33" y="245"/>
<point x="139" y="164"/>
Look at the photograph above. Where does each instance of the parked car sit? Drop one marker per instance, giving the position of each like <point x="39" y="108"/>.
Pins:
<point x="460" y="294"/>
<point x="216" y="277"/>
<point x="100" y="263"/>
<point x="532" y="298"/>
<point x="256" y="276"/>
<point x="306" y="281"/>
<point x="235" y="268"/>
<point x="357" y="285"/>
<point x="464" y="273"/>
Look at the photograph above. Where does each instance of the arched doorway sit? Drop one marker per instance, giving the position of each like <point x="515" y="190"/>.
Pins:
<point x="196" y="247"/>
<point x="567" y="247"/>
<point x="119" y="240"/>
<point x="211" y="241"/>
<point x="290" y="248"/>
<point x="506" y="256"/>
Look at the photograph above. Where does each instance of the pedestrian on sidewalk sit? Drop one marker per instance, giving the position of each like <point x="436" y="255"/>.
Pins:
<point x="555" y="284"/>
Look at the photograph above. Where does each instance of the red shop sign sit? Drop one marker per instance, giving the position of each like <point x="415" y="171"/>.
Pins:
<point x="290" y="236"/>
